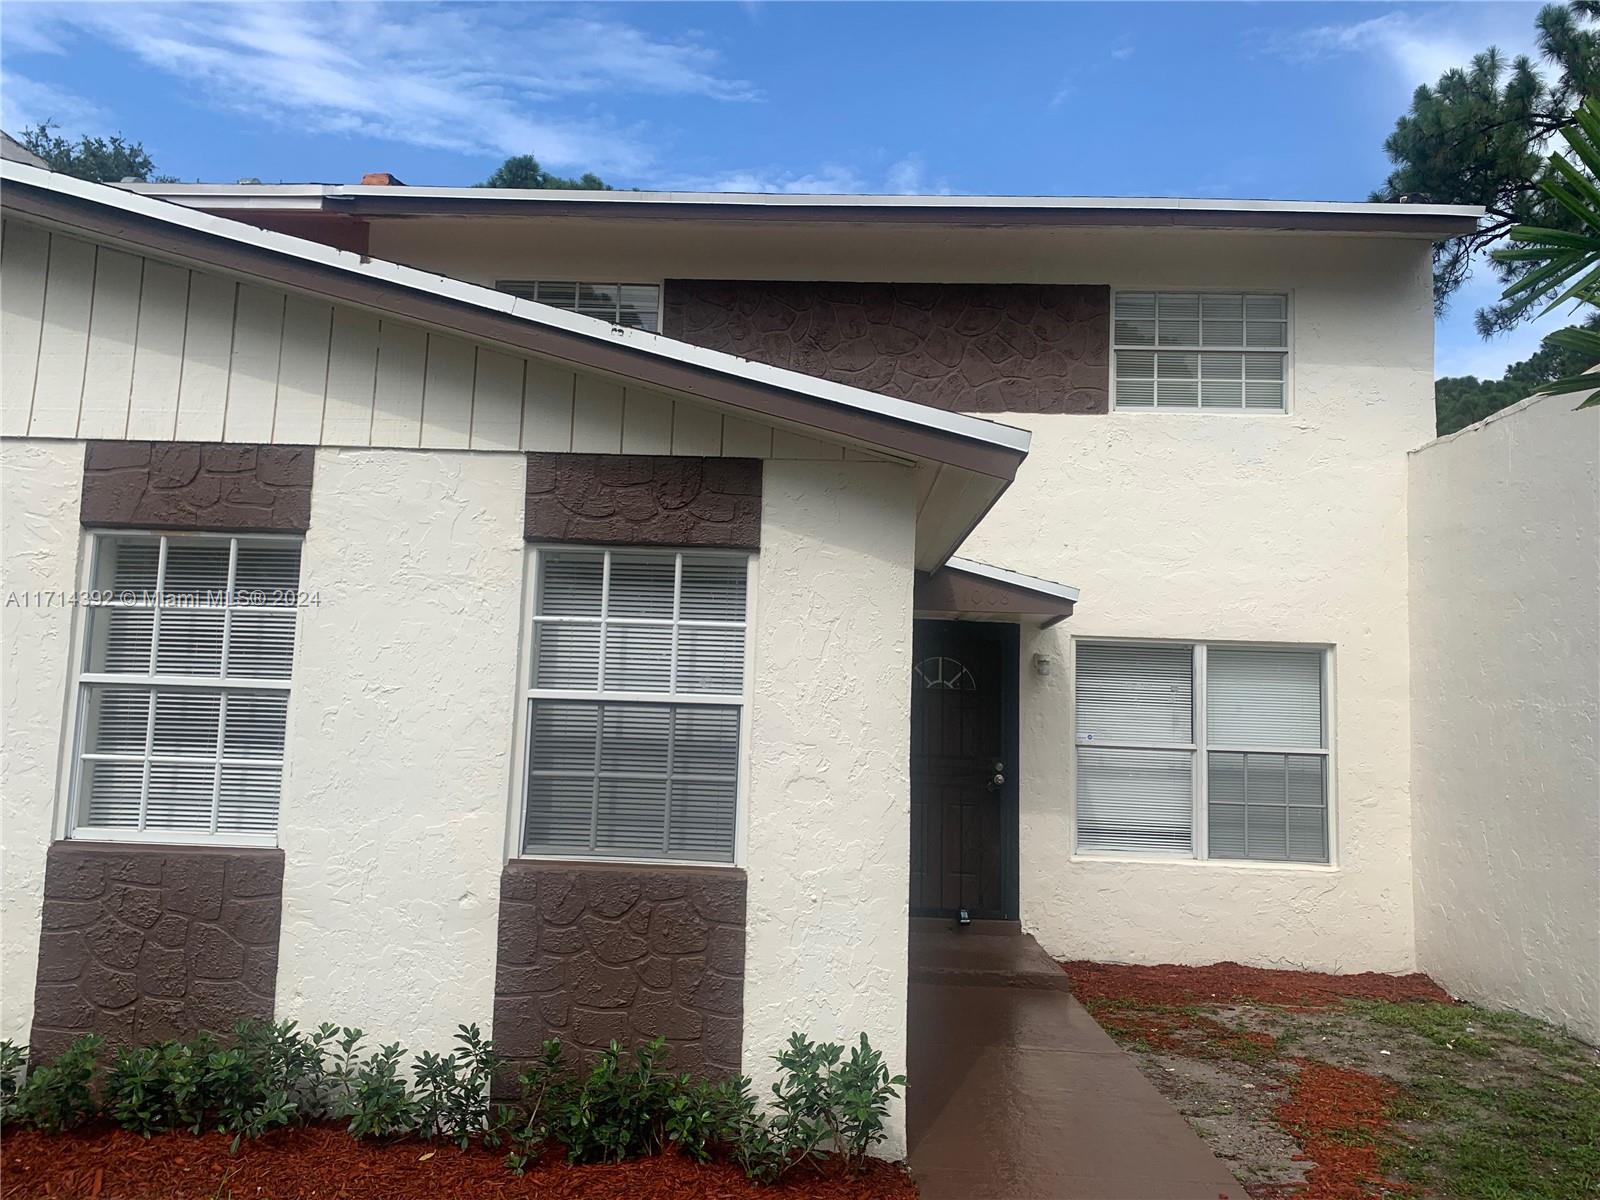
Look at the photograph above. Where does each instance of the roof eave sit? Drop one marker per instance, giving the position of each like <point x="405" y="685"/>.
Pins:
<point x="970" y="444"/>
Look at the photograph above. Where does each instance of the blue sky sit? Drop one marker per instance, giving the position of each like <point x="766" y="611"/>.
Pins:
<point x="1226" y="100"/>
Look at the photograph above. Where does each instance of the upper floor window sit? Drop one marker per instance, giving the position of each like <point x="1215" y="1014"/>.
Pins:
<point x="1201" y="351"/>
<point x="1203" y="751"/>
<point x="635" y="703"/>
<point x="635" y="305"/>
<point x="183" y="695"/>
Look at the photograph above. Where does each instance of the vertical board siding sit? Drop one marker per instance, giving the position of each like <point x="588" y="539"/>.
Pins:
<point x="207" y="353"/>
<point x="397" y="400"/>
<point x="64" y="339"/>
<point x="497" y="402"/>
<point x="158" y="352"/>
<point x="253" y="374"/>
<point x="447" y="393"/>
<point x="352" y="379"/>
<point x="302" y="371"/>
<point x="547" y="407"/>
<point x="113" y="328"/>
<point x="597" y="416"/>
<point x="696" y="430"/>
<point x="25" y="263"/>
<point x="646" y="422"/>
<point x="98" y="343"/>
<point x="746" y="439"/>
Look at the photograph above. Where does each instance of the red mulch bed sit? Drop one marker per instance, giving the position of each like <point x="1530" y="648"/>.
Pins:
<point x="1336" y="1115"/>
<point x="323" y="1162"/>
<point x="1221" y="983"/>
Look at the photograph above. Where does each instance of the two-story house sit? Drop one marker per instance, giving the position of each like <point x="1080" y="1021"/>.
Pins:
<point x="612" y="614"/>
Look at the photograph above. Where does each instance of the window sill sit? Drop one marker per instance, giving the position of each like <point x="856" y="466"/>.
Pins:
<point x="586" y="863"/>
<point x="171" y="838"/>
<point x="1224" y="864"/>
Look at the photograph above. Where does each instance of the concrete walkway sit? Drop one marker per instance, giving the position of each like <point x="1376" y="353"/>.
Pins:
<point x="1016" y="1093"/>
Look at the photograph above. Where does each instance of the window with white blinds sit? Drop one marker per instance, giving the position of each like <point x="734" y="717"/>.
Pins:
<point x="1201" y="351"/>
<point x="634" y="305"/>
<point x="636" y="703"/>
<point x="1209" y="751"/>
<point x="183" y="695"/>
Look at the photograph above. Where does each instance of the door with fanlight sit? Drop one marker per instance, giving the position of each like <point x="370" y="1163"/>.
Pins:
<point x="964" y="769"/>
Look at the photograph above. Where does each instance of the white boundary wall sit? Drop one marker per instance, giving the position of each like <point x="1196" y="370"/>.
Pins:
<point x="1505" y="692"/>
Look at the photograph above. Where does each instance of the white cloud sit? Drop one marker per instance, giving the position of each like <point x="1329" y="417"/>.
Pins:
<point x="487" y="79"/>
<point x="1418" y="47"/>
<point x="25" y="102"/>
<point x="905" y="177"/>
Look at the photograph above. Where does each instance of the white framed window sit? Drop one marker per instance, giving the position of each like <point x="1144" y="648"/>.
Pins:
<point x="635" y="705"/>
<point x="1209" y="751"/>
<point x="1200" y="351"/>
<point x="635" y="305"/>
<point x="183" y="688"/>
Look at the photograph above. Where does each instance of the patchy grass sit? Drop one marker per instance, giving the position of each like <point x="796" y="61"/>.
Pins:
<point x="1313" y="1091"/>
<point x="1497" y="1105"/>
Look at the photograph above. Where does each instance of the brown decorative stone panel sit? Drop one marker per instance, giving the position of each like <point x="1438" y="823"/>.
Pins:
<point x="590" y="953"/>
<point x="644" y="500"/>
<point x="141" y="943"/>
<point x="984" y="348"/>
<point x="238" y="488"/>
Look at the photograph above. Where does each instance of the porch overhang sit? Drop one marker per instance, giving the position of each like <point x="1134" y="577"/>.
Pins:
<point x="973" y="591"/>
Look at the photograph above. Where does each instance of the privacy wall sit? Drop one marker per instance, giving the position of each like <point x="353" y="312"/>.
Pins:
<point x="1505" y="619"/>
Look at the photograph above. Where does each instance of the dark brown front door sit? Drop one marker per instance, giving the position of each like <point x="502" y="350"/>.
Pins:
<point x="963" y="769"/>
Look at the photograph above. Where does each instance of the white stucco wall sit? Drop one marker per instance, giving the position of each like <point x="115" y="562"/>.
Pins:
<point x="1250" y="527"/>
<point x="829" y="810"/>
<point x="1505" y="612"/>
<point x="399" y="747"/>
<point x="40" y="485"/>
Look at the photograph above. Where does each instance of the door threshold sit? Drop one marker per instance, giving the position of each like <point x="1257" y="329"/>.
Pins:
<point x="977" y="926"/>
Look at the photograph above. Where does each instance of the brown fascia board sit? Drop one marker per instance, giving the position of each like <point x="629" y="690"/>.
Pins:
<point x="1434" y="226"/>
<point x="469" y="321"/>
<point x="949" y="590"/>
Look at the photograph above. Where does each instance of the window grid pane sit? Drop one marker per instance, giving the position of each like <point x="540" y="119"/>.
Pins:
<point x="1158" y="337"/>
<point x="634" y="305"/>
<point x="645" y="768"/>
<point x="1264" y="785"/>
<point x="201" y="751"/>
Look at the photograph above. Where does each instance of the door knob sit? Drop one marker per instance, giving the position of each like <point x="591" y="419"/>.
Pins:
<point x="996" y="781"/>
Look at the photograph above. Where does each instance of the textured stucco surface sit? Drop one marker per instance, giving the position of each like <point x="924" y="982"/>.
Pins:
<point x="40" y="484"/>
<point x="1505" y="614"/>
<point x="190" y="485"/>
<point x="644" y="500"/>
<point x="1279" y="528"/>
<point x="829" y="811"/>
<point x="400" y="730"/>
<point x="143" y="943"/>
<point x="591" y="953"/>
<point x="985" y="347"/>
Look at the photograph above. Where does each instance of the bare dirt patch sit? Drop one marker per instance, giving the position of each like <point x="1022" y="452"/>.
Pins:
<point x="1331" y="1087"/>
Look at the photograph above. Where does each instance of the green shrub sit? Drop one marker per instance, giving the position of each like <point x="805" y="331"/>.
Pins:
<point x="826" y="1106"/>
<point x="619" y="1110"/>
<point x="529" y="1127"/>
<point x="376" y="1100"/>
<point x="452" y="1093"/>
<point x="58" y="1096"/>
<point x="705" y="1117"/>
<point x="13" y="1065"/>
<point x="823" y="1106"/>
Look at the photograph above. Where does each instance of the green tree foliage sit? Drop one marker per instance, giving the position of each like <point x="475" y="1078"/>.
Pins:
<point x="99" y="160"/>
<point x="1461" y="400"/>
<point x="1478" y="135"/>
<point x="524" y="171"/>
